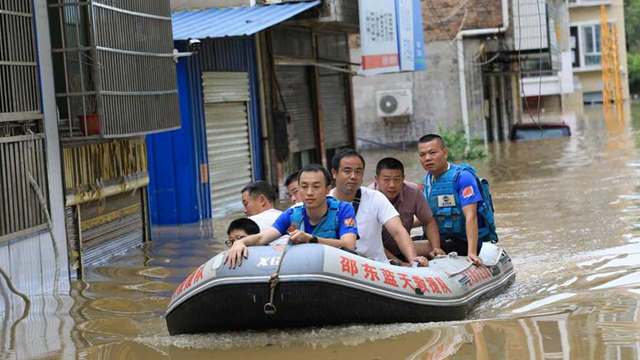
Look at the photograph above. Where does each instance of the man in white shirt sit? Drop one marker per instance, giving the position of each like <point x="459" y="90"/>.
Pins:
<point x="373" y="210"/>
<point x="258" y="199"/>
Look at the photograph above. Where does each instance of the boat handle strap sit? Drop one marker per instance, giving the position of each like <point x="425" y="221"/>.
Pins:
<point x="270" y="308"/>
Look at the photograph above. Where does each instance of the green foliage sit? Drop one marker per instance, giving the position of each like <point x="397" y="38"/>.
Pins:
<point x="632" y="28"/>
<point x="633" y="61"/>
<point x="632" y="24"/>
<point x="457" y="145"/>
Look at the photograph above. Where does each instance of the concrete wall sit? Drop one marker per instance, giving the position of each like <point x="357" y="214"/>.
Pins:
<point x="436" y="98"/>
<point x="444" y="18"/>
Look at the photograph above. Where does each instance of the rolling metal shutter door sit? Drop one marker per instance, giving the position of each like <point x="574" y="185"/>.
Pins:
<point x="295" y="87"/>
<point x="333" y="97"/>
<point x="225" y="96"/>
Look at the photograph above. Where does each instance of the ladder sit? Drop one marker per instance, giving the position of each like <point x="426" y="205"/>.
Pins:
<point x="611" y="82"/>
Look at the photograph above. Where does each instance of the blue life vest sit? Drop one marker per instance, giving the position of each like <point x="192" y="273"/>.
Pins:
<point x="327" y="228"/>
<point x="445" y="205"/>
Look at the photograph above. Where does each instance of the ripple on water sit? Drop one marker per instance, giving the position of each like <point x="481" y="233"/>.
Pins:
<point x="352" y="335"/>
<point x="126" y="306"/>
<point x="114" y="326"/>
<point x="152" y="287"/>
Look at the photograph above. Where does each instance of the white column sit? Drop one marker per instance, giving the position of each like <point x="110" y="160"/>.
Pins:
<point x="52" y="141"/>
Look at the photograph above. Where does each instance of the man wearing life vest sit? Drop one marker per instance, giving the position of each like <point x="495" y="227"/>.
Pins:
<point x="456" y="201"/>
<point x="319" y="219"/>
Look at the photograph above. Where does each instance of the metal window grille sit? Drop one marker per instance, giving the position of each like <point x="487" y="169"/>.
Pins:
<point x="116" y="76"/>
<point x="19" y="99"/>
<point x="22" y="156"/>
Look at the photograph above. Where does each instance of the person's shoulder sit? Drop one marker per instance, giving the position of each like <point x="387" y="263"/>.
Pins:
<point x="466" y="176"/>
<point x="372" y="186"/>
<point x="369" y="193"/>
<point x="345" y="208"/>
<point x="410" y="186"/>
<point x="413" y="190"/>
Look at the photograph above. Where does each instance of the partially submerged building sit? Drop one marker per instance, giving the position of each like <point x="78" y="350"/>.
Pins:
<point x="267" y="91"/>
<point x="80" y="90"/>
<point x="485" y="59"/>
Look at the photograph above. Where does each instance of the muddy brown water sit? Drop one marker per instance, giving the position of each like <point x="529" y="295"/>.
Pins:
<point x="568" y="212"/>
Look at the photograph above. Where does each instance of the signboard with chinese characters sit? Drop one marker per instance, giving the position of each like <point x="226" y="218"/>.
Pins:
<point x="392" y="36"/>
<point x="414" y="281"/>
<point x="378" y="36"/>
<point x="406" y="45"/>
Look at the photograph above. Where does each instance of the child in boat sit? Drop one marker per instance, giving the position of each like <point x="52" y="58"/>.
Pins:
<point x="240" y="229"/>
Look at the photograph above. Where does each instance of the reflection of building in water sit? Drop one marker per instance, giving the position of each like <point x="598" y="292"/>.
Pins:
<point x="617" y="329"/>
<point x="444" y="344"/>
<point x="547" y="337"/>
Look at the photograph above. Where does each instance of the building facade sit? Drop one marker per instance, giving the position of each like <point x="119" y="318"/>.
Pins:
<point x="585" y="35"/>
<point x="470" y="83"/>
<point x="80" y="91"/>
<point x="269" y="92"/>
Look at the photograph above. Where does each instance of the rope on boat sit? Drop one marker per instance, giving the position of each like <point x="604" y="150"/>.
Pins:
<point x="270" y="307"/>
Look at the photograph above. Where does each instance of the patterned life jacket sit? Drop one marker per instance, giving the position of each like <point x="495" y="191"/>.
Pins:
<point x="445" y="205"/>
<point x="327" y="228"/>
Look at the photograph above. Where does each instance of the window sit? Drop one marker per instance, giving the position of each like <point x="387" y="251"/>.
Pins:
<point x="585" y="46"/>
<point x="591" y="40"/>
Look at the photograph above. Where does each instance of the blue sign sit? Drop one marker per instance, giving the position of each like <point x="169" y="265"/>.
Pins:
<point x="420" y="52"/>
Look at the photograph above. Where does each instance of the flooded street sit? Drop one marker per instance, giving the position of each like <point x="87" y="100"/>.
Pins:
<point x="568" y="213"/>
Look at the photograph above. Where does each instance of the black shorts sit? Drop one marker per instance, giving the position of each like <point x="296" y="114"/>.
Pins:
<point x="459" y="246"/>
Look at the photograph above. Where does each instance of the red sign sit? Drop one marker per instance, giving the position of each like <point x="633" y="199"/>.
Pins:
<point x="385" y="276"/>
<point x="475" y="275"/>
<point x="193" y="278"/>
<point x="348" y="265"/>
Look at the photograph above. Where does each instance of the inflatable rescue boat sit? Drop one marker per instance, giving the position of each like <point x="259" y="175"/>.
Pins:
<point x="316" y="285"/>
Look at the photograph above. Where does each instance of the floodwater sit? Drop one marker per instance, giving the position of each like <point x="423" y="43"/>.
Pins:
<point x="568" y="212"/>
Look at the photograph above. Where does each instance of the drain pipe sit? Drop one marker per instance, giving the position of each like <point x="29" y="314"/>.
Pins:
<point x="461" y="68"/>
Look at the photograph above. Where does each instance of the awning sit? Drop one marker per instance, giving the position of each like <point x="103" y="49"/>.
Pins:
<point x="238" y="21"/>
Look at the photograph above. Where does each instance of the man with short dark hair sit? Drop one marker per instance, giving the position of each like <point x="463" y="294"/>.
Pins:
<point x="413" y="208"/>
<point x="455" y="200"/>
<point x="291" y="183"/>
<point x="373" y="209"/>
<point x="258" y="198"/>
<point x="319" y="219"/>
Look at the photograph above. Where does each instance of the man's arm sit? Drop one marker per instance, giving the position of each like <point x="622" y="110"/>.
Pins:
<point x="240" y="250"/>
<point x="471" y="223"/>
<point x="347" y="240"/>
<point x="401" y="236"/>
<point x="392" y="258"/>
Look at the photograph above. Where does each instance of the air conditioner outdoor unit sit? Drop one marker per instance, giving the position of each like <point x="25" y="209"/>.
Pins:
<point x="393" y="103"/>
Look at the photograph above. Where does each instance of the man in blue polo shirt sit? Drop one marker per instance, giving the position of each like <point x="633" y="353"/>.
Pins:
<point x="319" y="219"/>
<point x="455" y="200"/>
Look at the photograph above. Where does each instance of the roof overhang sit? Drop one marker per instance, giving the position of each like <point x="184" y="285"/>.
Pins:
<point x="238" y="21"/>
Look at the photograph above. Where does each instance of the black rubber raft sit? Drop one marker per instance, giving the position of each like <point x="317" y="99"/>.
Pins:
<point x="317" y="285"/>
